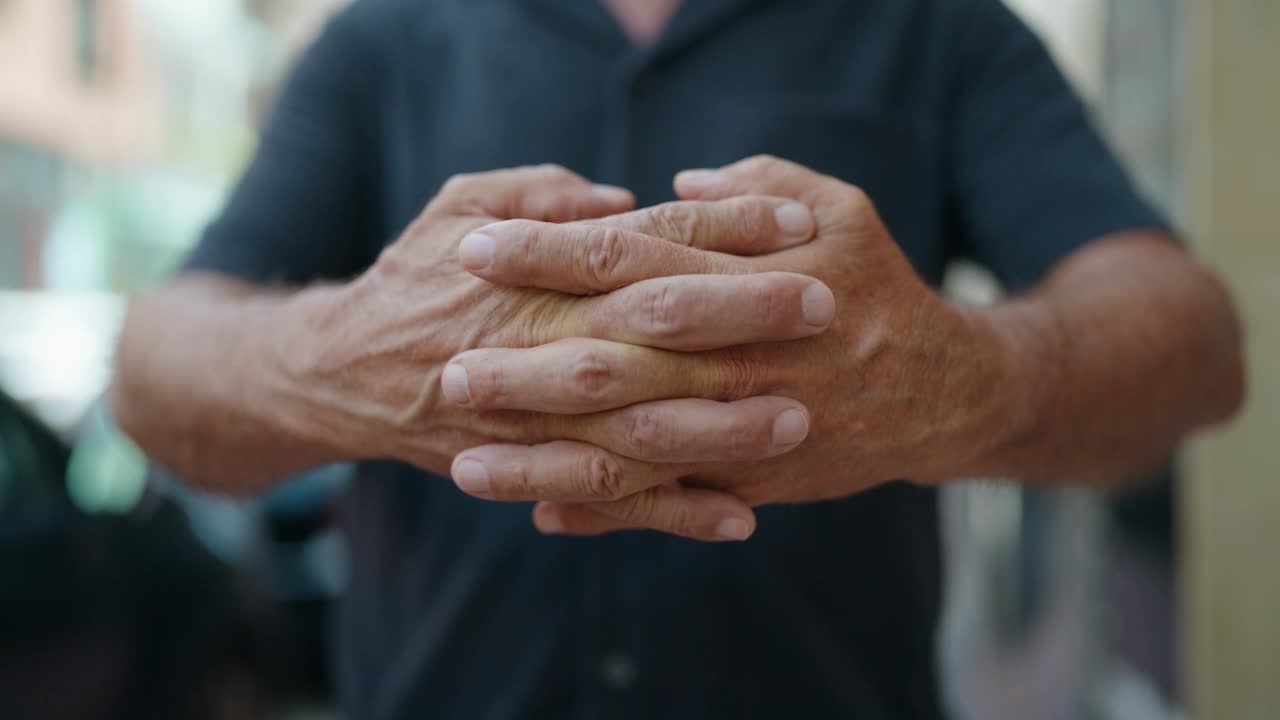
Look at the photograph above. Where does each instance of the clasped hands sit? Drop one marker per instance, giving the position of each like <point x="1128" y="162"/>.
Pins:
<point x="762" y="340"/>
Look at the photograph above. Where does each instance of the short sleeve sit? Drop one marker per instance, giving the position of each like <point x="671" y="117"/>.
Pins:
<point x="301" y="211"/>
<point x="1030" y="178"/>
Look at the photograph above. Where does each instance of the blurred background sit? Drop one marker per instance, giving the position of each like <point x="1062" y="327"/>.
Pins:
<point x="122" y="124"/>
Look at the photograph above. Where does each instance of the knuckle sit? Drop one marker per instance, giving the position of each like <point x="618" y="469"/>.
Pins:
<point x="604" y="253"/>
<point x="398" y="258"/>
<point x="737" y="377"/>
<point x="601" y="476"/>
<point x="637" y="509"/>
<point x="458" y="184"/>
<point x="552" y="171"/>
<point x="753" y="215"/>
<point x="645" y="433"/>
<point x="666" y="311"/>
<point x="590" y="376"/>
<point x="679" y="519"/>
<point x="678" y="222"/>
<point x="763" y="162"/>
<point x="857" y="200"/>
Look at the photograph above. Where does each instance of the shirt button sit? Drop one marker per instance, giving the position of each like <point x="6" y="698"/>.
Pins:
<point x="617" y="671"/>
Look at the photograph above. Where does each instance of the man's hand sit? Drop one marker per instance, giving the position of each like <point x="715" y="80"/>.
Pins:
<point x="233" y="386"/>
<point x="378" y="374"/>
<point x="902" y="385"/>
<point x="1127" y="345"/>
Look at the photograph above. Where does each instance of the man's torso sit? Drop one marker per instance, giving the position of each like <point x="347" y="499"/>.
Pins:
<point x="829" y="610"/>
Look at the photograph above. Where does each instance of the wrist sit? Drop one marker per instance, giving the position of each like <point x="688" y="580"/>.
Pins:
<point x="304" y="390"/>
<point x="1020" y="348"/>
<point x="201" y="387"/>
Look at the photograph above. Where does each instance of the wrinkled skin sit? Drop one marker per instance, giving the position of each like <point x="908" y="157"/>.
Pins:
<point x="901" y="385"/>
<point x="392" y="330"/>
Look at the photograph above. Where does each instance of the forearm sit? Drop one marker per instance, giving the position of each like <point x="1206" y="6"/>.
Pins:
<point x="1125" y="348"/>
<point x="203" y="384"/>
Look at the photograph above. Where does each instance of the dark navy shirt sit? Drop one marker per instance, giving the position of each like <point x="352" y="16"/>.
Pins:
<point x="948" y="112"/>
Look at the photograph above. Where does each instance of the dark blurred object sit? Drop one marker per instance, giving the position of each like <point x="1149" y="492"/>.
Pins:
<point x="122" y="616"/>
<point x="1140" y="588"/>
<point x="33" y="462"/>
<point x="286" y="545"/>
<point x="1146" y="515"/>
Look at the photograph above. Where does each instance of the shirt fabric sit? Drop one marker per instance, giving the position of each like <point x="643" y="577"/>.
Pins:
<point x="948" y="112"/>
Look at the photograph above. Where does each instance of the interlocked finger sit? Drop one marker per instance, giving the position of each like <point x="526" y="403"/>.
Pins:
<point x="602" y="255"/>
<point x="581" y="258"/>
<point x="583" y="375"/>
<point x="561" y="470"/>
<point x="690" y="430"/>
<point x="693" y="513"/>
<point x="543" y="192"/>
<point x="703" y="312"/>
<point x="743" y="225"/>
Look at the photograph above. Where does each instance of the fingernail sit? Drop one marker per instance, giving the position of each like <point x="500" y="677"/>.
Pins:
<point x="818" y="304"/>
<point x="794" y="219"/>
<point x="790" y="427"/>
<point x="612" y="194"/>
<point x="454" y="384"/>
<point x="733" y="528"/>
<point x="476" y="252"/>
<point x="698" y="180"/>
<point x="472" y="477"/>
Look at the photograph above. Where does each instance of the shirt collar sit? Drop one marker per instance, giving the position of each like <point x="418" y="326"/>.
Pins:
<point x="693" y="20"/>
